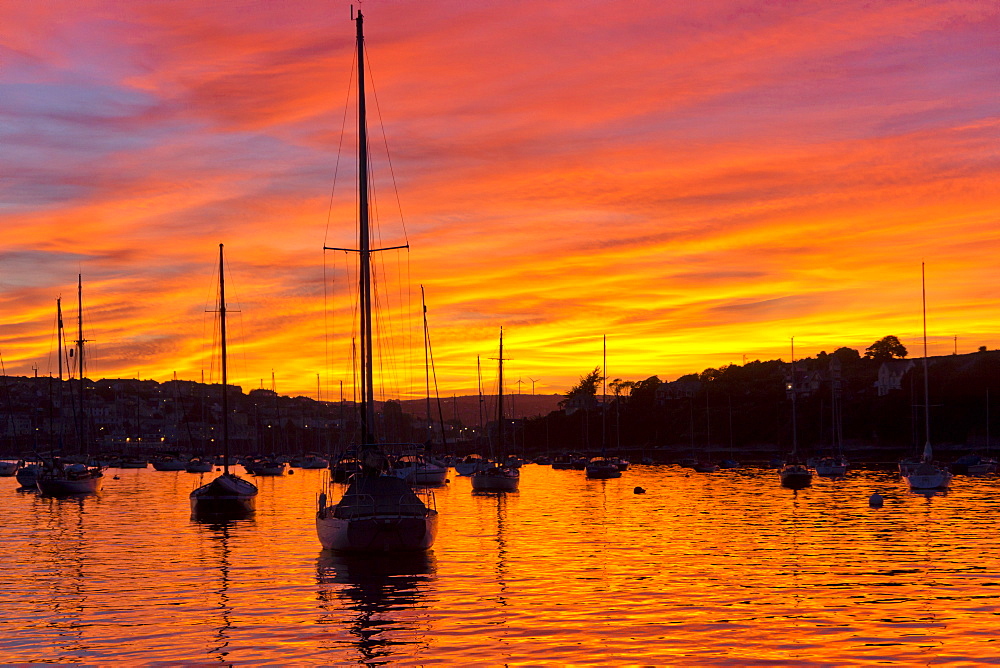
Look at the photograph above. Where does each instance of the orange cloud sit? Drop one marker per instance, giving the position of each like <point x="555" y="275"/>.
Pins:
<point x="698" y="183"/>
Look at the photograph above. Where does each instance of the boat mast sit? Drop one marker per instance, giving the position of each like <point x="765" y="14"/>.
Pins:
<point x="500" y="399"/>
<point x="225" y="368"/>
<point x="81" y="426"/>
<point x="427" y="370"/>
<point x="365" y="251"/>
<point x="59" y="336"/>
<point x="795" y="431"/>
<point x="367" y="378"/>
<point x="928" y="455"/>
<point x="604" y="400"/>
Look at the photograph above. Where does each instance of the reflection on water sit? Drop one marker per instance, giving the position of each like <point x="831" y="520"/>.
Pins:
<point x="378" y="590"/>
<point x="218" y="530"/>
<point x="724" y="568"/>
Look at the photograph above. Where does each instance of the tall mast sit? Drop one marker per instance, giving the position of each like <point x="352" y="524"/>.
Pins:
<point x="367" y="378"/>
<point x="795" y="431"/>
<point x="479" y="381"/>
<point x="59" y="336"/>
<point x="500" y="399"/>
<point x="225" y="368"/>
<point x="927" y="403"/>
<point x="604" y="398"/>
<point x="79" y="360"/>
<point x="427" y="368"/>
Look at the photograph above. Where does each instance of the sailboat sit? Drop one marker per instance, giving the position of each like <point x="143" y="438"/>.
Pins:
<point x="415" y="466"/>
<point x="58" y="478"/>
<point x="228" y="494"/>
<point x="795" y="474"/>
<point x="378" y="511"/>
<point x="835" y="465"/>
<point x="497" y="476"/>
<point x="602" y="467"/>
<point x="926" y="475"/>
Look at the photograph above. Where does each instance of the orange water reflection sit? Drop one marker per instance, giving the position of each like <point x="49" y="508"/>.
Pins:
<point x="724" y="568"/>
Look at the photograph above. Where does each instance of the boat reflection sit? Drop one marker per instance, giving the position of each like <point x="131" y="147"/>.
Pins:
<point x="64" y="581"/>
<point x="382" y="591"/>
<point x="221" y="531"/>
<point x="213" y="517"/>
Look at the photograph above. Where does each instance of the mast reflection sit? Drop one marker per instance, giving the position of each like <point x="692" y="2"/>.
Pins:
<point x="378" y="589"/>
<point x="220" y="531"/>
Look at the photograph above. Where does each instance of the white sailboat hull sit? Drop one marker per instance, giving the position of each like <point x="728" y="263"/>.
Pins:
<point x="377" y="533"/>
<point x="66" y="487"/>
<point x="199" y="466"/>
<point x="486" y="481"/>
<point x="423" y="475"/>
<point x="928" y="476"/>
<point x="377" y="514"/>
<point x="831" y="468"/>
<point x="226" y="494"/>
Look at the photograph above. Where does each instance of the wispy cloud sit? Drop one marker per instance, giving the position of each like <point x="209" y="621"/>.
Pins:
<point x="698" y="182"/>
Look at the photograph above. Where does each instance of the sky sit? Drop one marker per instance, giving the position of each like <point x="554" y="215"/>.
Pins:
<point x="697" y="182"/>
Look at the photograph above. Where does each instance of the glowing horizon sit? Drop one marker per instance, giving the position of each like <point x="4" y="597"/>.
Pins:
<point x="696" y="183"/>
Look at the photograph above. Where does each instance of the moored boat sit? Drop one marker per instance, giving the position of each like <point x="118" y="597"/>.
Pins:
<point x="227" y="495"/>
<point x="498" y="476"/>
<point x="378" y="512"/>
<point x="603" y="469"/>
<point x="56" y="477"/>
<point x="927" y="475"/>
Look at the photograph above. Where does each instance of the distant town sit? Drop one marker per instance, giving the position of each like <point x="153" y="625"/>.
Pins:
<point x="867" y="407"/>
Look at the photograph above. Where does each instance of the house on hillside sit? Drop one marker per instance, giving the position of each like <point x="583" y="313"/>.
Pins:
<point x="806" y="382"/>
<point x="890" y="375"/>
<point x="678" y="389"/>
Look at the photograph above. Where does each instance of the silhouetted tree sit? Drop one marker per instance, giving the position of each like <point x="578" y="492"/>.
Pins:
<point x="587" y="387"/>
<point x="885" y="349"/>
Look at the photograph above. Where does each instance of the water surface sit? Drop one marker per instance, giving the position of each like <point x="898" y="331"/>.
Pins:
<point x="703" y="569"/>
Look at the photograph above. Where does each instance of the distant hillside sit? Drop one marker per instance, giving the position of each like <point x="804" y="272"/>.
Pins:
<point x="467" y="407"/>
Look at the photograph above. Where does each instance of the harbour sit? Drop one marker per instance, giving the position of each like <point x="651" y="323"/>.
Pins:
<point x="727" y="568"/>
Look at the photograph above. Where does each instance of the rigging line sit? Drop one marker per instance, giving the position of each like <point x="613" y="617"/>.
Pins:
<point x="326" y="325"/>
<point x="385" y="142"/>
<point x="340" y="150"/>
<point x="241" y="325"/>
<point x="437" y="394"/>
<point x="52" y="345"/>
<point x="411" y="320"/>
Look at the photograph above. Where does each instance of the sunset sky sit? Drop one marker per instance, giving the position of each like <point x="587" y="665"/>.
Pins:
<point x="698" y="181"/>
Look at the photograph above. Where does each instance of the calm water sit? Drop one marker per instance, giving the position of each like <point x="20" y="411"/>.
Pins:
<point x="725" y="568"/>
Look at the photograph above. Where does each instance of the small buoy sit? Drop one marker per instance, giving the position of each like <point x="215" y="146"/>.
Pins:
<point x="116" y="478"/>
<point x="638" y="490"/>
<point x="291" y="471"/>
<point x="875" y="500"/>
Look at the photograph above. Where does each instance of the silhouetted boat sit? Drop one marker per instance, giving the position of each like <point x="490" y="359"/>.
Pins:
<point x="926" y="475"/>
<point x="378" y="512"/>
<point x="497" y="476"/>
<point x="57" y="478"/>
<point x="228" y="494"/>
<point x="603" y="467"/>
<point x="795" y="474"/>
